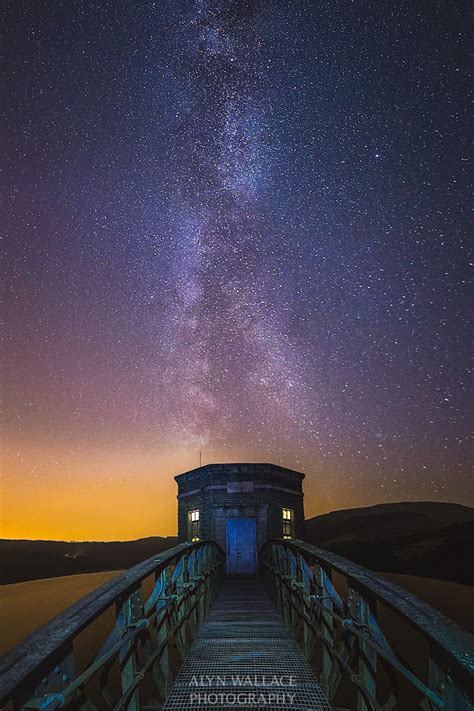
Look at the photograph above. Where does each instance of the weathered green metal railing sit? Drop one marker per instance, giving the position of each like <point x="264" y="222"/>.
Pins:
<point x="134" y="664"/>
<point x="342" y="636"/>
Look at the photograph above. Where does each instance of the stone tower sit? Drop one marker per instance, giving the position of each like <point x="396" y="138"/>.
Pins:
<point x="240" y="506"/>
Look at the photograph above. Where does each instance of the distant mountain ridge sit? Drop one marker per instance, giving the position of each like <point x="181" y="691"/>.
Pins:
<point x="29" y="560"/>
<point x="428" y="539"/>
<point x="394" y="519"/>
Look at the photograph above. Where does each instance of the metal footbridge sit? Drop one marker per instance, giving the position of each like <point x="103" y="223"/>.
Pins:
<point x="311" y="631"/>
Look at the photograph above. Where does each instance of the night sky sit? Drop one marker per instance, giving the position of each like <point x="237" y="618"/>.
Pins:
<point x="237" y="227"/>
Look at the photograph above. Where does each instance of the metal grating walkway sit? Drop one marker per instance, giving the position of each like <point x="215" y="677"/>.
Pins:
<point x="244" y="658"/>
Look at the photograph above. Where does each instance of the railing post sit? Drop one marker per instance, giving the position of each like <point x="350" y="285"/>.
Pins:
<point x="192" y="596"/>
<point x="294" y="592"/>
<point x="277" y="577"/>
<point x="367" y="657"/>
<point x="273" y="578"/>
<point x="327" y="625"/>
<point x="443" y="685"/>
<point x="308" y="633"/>
<point x="179" y="611"/>
<point x="63" y="672"/>
<point x="211" y="581"/>
<point x="286" y="588"/>
<point x="163" y="631"/>
<point x="200" y="574"/>
<point x="130" y="610"/>
<point x="207" y="564"/>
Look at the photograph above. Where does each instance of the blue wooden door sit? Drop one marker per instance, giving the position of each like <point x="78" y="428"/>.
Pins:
<point x="241" y="545"/>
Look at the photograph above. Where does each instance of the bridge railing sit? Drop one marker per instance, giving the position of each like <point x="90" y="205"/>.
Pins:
<point x="139" y="626"/>
<point x="344" y="616"/>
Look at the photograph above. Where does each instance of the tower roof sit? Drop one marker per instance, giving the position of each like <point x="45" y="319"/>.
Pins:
<point x="242" y="467"/>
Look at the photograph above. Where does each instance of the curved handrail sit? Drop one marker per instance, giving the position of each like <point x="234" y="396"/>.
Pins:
<point x="453" y="642"/>
<point x="440" y="629"/>
<point x="34" y="652"/>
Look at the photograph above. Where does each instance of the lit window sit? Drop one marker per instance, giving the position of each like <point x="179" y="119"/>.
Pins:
<point x="287" y="516"/>
<point x="193" y="525"/>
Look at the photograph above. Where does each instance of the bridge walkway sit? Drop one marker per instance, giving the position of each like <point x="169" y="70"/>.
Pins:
<point x="244" y="657"/>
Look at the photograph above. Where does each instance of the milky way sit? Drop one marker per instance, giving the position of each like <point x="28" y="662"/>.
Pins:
<point x="227" y="321"/>
<point x="240" y="228"/>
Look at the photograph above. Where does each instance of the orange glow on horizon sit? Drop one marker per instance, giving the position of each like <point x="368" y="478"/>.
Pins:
<point x="125" y="491"/>
<point x="100" y="493"/>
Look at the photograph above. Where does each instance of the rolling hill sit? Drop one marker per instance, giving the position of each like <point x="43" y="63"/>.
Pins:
<point x="29" y="560"/>
<point x="428" y="539"/>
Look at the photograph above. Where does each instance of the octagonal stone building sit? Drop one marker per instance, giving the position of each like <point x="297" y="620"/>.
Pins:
<point x="240" y="506"/>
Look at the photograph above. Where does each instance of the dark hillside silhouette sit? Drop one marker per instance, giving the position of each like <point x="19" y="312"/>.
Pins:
<point x="426" y="539"/>
<point x="29" y="560"/>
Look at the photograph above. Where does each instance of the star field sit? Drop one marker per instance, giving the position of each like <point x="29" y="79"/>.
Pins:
<point x="239" y="227"/>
